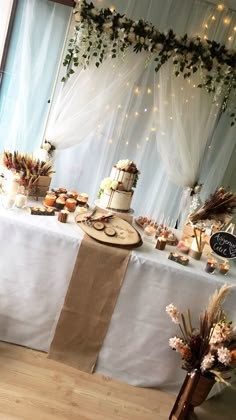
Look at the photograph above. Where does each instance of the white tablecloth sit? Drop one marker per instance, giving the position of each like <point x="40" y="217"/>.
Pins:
<point x="36" y="263"/>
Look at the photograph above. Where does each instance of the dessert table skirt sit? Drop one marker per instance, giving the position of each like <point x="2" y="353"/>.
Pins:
<point x="38" y="254"/>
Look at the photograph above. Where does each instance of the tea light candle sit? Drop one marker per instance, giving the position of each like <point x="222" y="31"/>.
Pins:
<point x="210" y="265"/>
<point x="183" y="260"/>
<point x="224" y="268"/>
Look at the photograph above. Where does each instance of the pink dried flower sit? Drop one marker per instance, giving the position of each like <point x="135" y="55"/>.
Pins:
<point x="176" y="343"/>
<point x="207" y="362"/>
<point x="224" y="356"/>
<point x="221" y="332"/>
<point x="173" y="312"/>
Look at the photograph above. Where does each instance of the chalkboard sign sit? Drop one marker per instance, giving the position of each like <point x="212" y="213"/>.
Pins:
<point x="224" y="244"/>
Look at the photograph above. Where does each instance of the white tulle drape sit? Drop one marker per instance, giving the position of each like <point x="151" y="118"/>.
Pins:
<point x="37" y="40"/>
<point x="124" y="110"/>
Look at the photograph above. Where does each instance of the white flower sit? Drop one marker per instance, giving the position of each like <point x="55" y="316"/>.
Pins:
<point x="207" y="362"/>
<point x="159" y="46"/>
<point x="224" y="356"/>
<point x="107" y="25"/>
<point x="106" y="184"/>
<point x="173" y="312"/>
<point x="176" y="343"/>
<point x="46" y="146"/>
<point x="131" y="36"/>
<point x="114" y="185"/>
<point x="142" y="39"/>
<point x="123" y="163"/>
<point x="77" y="17"/>
<point x="94" y="12"/>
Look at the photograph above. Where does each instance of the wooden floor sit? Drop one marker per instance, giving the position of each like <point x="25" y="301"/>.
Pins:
<point x="33" y="387"/>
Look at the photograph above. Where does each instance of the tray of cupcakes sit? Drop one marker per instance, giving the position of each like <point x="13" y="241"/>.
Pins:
<point x="60" y="199"/>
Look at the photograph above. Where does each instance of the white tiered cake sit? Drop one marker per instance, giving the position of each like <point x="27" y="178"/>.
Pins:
<point x="116" y="191"/>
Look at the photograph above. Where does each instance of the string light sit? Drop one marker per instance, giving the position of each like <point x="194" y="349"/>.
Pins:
<point x="110" y="141"/>
<point x="158" y="86"/>
<point x="126" y="115"/>
<point x="149" y="91"/>
<point x="213" y="18"/>
<point x="153" y="129"/>
<point x="128" y="83"/>
<point x="137" y="90"/>
<point x="138" y="146"/>
<point x="155" y="109"/>
<point x="235" y="29"/>
<point x="220" y="7"/>
<point x="136" y="114"/>
<point x="119" y="106"/>
<point x="230" y="38"/>
<point x="205" y="37"/>
<point x="147" y="138"/>
<point x="171" y="118"/>
<point x="206" y="26"/>
<point x="112" y="8"/>
<point x="127" y="142"/>
<point x="227" y="21"/>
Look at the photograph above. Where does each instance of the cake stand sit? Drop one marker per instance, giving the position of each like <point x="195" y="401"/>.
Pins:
<point x="98" y="205"/>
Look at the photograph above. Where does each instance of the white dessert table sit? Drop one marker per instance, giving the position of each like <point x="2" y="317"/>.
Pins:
<point x="37" y="259"/>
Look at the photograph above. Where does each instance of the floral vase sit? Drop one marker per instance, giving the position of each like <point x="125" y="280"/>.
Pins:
<point x="193" y="392"/>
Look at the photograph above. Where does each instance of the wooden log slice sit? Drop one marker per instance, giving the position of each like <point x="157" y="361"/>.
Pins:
<point x="98" y="225"/>
<point x="110" y="231"/>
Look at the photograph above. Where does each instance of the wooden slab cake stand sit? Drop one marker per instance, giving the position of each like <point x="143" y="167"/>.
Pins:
<point x="111" y="231"/>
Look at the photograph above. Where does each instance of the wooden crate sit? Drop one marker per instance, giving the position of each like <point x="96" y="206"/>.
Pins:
<point x="40" y="188"/>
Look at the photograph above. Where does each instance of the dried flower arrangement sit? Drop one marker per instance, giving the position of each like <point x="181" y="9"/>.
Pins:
<point x="221" y="204"/>
<point x="30" y="169"/>
<point x="209" y="349"/>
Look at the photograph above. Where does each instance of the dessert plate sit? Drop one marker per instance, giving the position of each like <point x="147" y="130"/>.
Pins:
<point x="116" y="231"/>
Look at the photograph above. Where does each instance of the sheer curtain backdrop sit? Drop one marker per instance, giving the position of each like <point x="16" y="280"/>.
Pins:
<point x="120" y="111"/>
<point x="35" y="50"/>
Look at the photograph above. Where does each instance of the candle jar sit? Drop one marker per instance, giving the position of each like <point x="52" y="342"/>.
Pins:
<point x="161" y="243"/>
<point x="21" y="198"/>
<point x="210" y="265"/>
<point x="223" y="268"/>
<point x="63" y="216"/>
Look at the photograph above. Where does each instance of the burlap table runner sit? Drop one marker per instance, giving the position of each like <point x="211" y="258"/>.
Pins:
<point x="90" y="300"/>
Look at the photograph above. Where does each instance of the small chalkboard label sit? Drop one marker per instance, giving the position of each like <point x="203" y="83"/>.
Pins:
<point x="224" y="244"/>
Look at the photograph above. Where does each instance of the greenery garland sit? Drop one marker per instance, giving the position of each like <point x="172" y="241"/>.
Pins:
<point x="100" y="33"/>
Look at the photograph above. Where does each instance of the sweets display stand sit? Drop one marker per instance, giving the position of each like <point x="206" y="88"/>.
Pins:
<point x="122" y="233"/>
<point x="98" y="205"/>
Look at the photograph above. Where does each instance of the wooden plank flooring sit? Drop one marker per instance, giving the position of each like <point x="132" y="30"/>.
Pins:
<point x="33" y="387"/>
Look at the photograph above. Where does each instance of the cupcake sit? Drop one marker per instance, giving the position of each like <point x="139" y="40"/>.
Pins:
<point x="63" y="190"/>
<point x="50" y="199"/>
<point x="60" y="203"/>
<point x="71" y="204"/>
<point x="82" y="199"/>
<point x="72" y="194"/>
